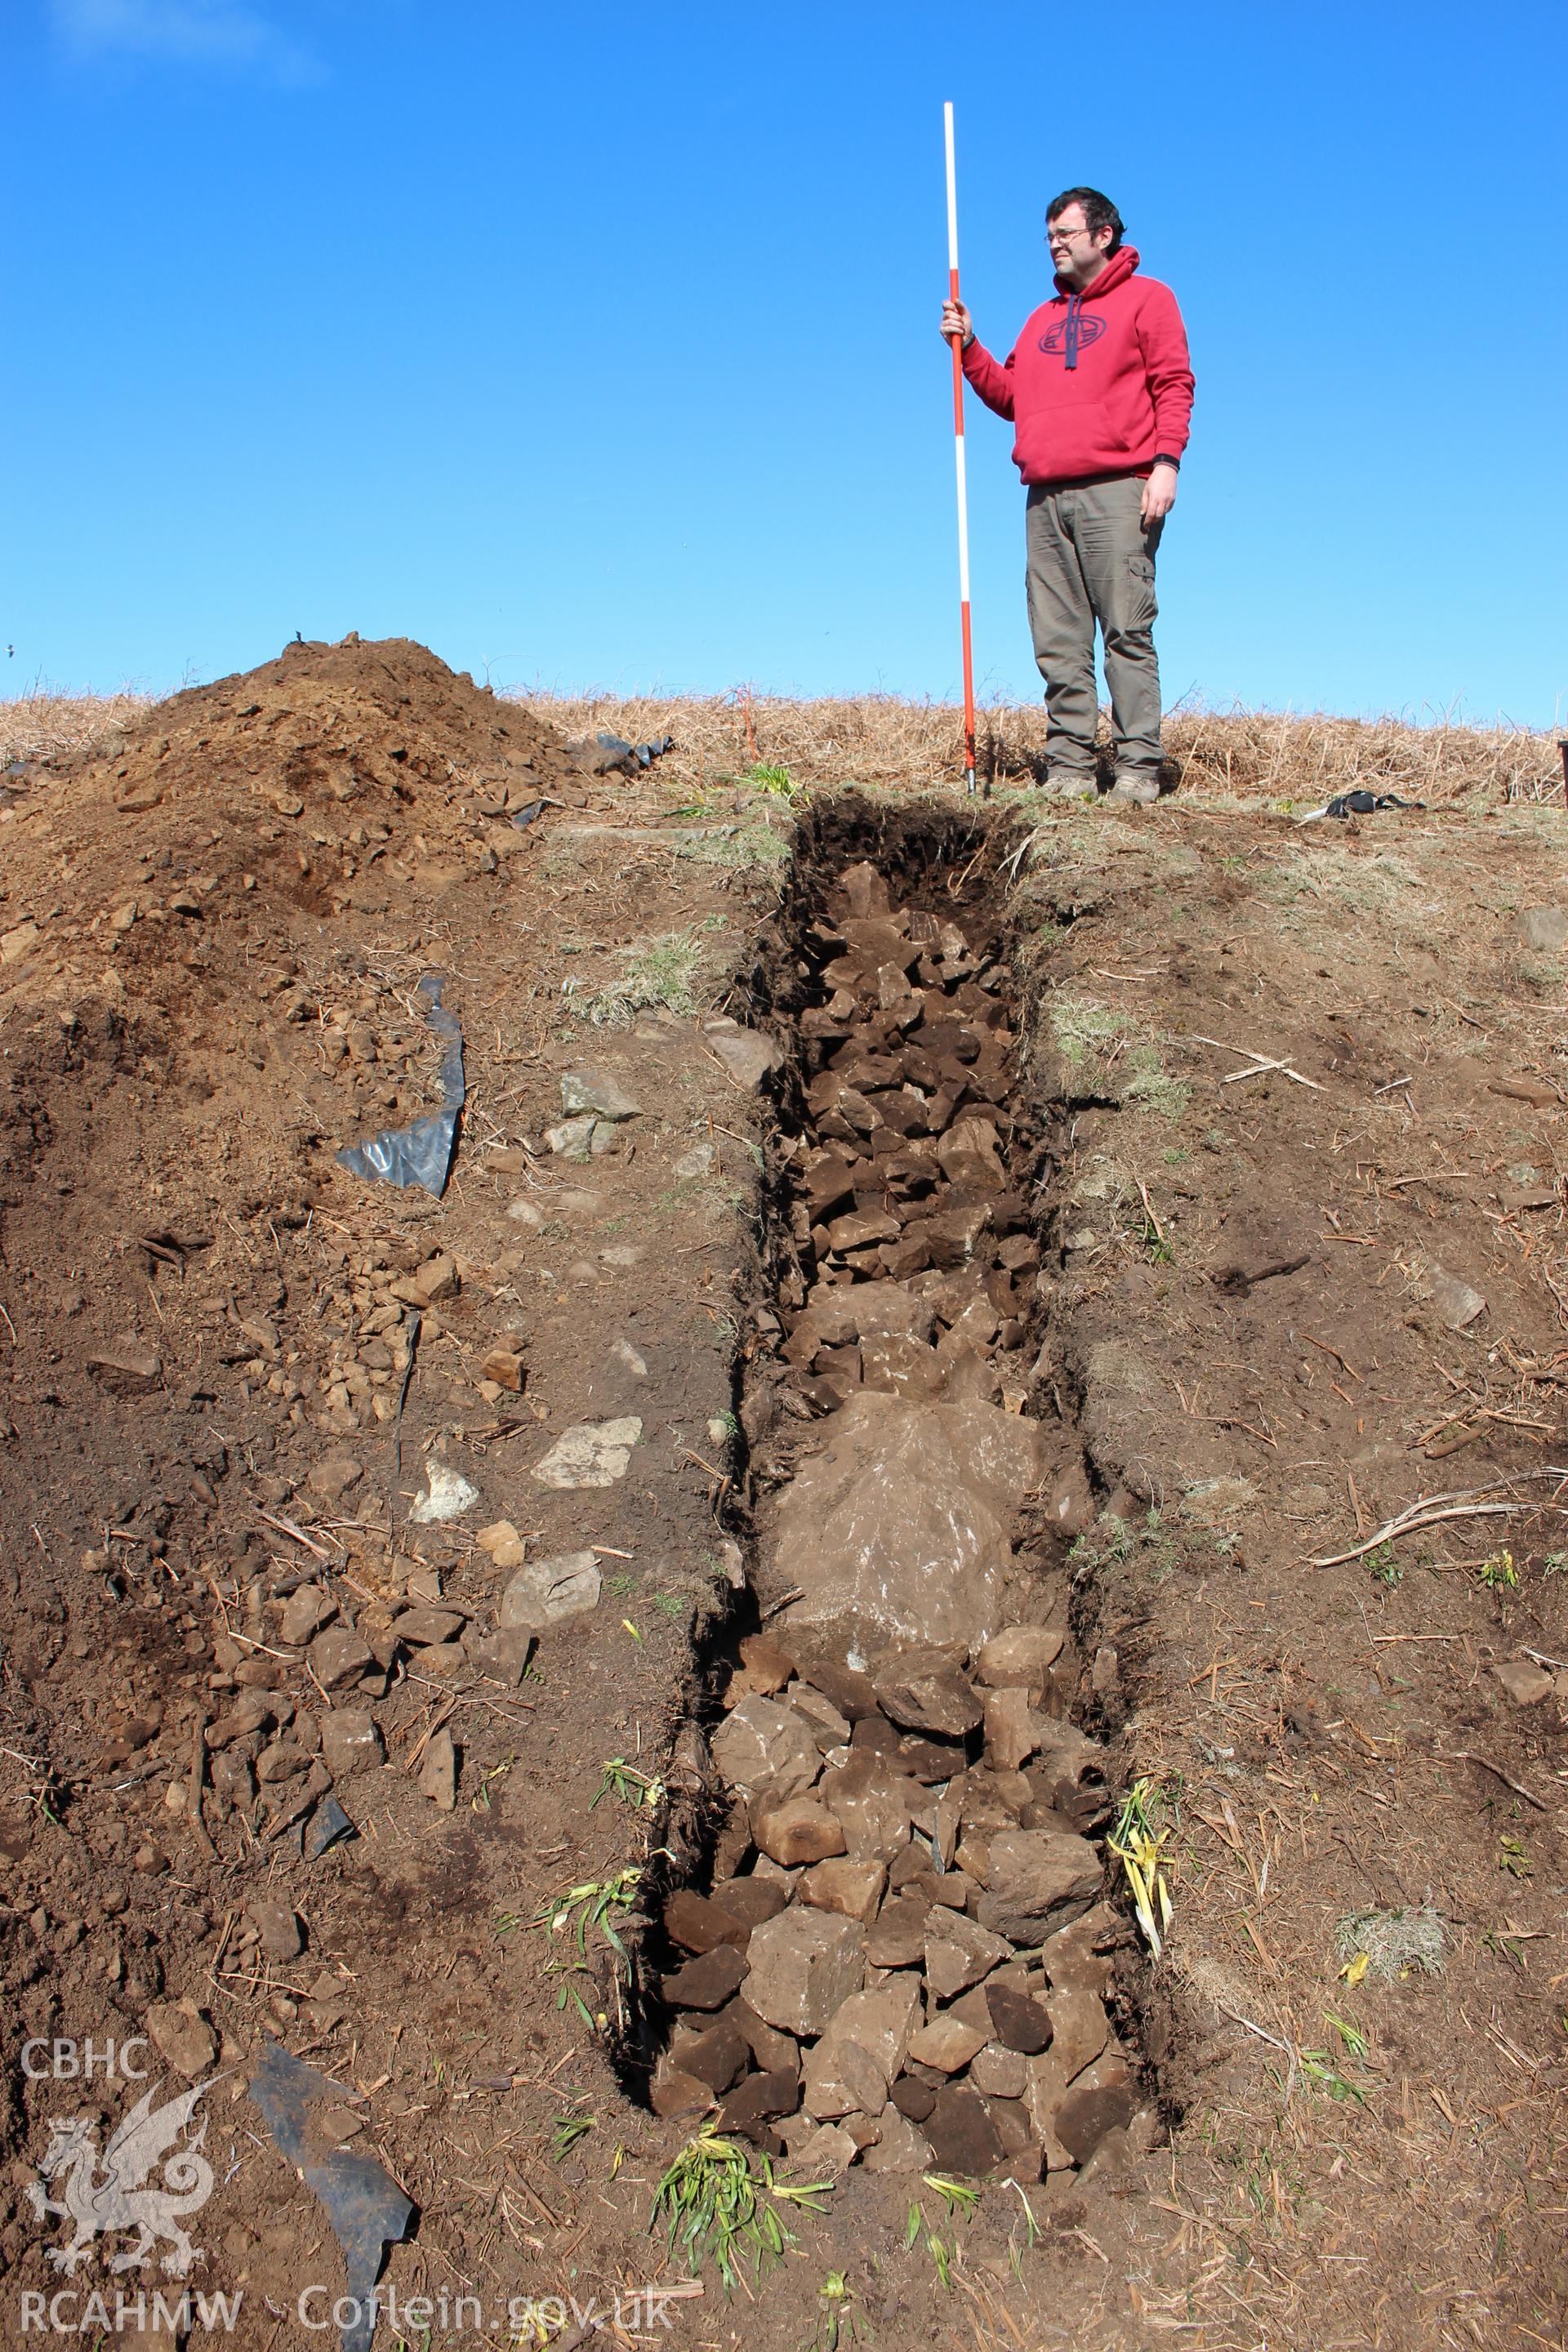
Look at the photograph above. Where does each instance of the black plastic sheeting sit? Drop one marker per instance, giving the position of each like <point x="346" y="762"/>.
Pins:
<point x="1360" y="804"/>
<point x="367" y="2210"/>
<point x="420" y="1153"/>
<point x="644" y="754"/>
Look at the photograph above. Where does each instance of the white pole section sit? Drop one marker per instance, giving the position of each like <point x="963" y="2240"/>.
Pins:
<point x="958" y="449"/>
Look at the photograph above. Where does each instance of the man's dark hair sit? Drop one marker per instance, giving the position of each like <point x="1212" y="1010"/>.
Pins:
<point x="1098" y="212"/>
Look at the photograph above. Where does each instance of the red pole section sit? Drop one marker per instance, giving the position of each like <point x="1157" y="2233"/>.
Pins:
<point x="958" y="448"/>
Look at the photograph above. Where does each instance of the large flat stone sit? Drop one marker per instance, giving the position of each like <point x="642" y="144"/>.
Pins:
<point x="1039" y="1880"/>
<point x="861" y="2051"/>
<point x="762" y="1743"/>
<point x="901" y="1523"/>
<point x="804" y="1967"/>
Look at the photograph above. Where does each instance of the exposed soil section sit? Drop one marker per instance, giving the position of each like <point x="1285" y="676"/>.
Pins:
<point x="1283" y="1116"/>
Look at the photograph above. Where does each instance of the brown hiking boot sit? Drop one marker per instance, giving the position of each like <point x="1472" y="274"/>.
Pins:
<point x="1135" y="788"/>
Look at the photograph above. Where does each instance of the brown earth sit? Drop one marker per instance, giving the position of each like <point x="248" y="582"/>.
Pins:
<point x="1244" y="1314"/>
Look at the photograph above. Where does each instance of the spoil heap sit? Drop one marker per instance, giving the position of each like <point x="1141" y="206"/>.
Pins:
<point x="323" y="727"/>
<point x="903" y="1957"/>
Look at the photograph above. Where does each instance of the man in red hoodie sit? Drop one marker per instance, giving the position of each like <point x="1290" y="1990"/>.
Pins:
<point x="1099" y="391"/>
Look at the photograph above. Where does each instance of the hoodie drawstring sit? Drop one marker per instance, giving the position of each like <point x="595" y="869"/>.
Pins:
<point x="1074" y="307"/>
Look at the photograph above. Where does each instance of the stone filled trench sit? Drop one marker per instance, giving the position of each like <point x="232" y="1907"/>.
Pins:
<point x="893" y="1946"/>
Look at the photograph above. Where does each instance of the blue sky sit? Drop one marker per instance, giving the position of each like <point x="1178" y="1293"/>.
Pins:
<point x="595" y="345"/>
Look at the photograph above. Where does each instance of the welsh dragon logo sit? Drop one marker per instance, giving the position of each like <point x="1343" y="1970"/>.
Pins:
<point x="101" y="2201"/>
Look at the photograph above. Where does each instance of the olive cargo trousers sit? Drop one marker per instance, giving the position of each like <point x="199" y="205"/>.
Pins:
<point x="1091" y="558"/>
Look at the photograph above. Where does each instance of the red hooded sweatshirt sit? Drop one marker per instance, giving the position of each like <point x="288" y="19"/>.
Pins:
<point x="1098" y="382"/>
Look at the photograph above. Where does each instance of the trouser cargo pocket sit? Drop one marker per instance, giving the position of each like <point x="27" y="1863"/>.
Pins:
<point x="1142" y="607"/>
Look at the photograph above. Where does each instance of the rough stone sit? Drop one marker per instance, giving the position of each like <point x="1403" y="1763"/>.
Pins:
<point x="439" y="1772"/>
<point x="967" y="1155"/>
<point x="1081" y="2030"/>
<point x="999" y="2072"/>
<point x="946" y="2043"/>
<point x="1457" y="1304"/>
<point x="853" y="1888"/>
<point x="673" y="2093"/>
<point x="182" y="2035"/>
<point x="505" y="1548"/>
<point x="333" y="1475"/>
<point x="837" y="1313"/>
<point x="805" y="1966"/>
<point x="1543" y="929"/>
<point x="1039" y="1879"/>
<point x="1089" y="2112"/>
<point x="1012" y="1729"/>
<point x="591" y="1453"/>
<point x="276" y="1926"/>
<point x="503" y="1655"/>
<point x="829" y="1728"/>
<point x="959" y="1952"/>
<point x="902" y="1521"/>
<point x="767" y="1664"/>
<point x="913" y="2098"/>
<point x="448" y="1494"/>
<point x="698" y="1924"/>
<point x="869" y="2030"/>
<point x="828" y="2151"/>
<point x="963" y="2139"/>
<point x="304" y="1613"/>
<point x="546" y="1592"/>
<point x="1526" y="1683"/>
<point x="898" y="1939"/>
<point x="799" y="1830"/>
<point x="350" y="1737"/>
<point x="428" y="1283"/>
<point x="758" y="2100"/>
<point x="594" y="1091"/>
<point x="900" y="2146"/>
<point x="423" y="1628"/>
<point x="339" y="1656"/>
<point x="1019" y="1657"/>
<point x="775" y="2052"/>
<point x="708" y="1980"/>
<point x="1019" y="2022"/>
<point x="746" y="1054"/>
<point x="764" y="1744"/>
<point x="752" y="1899"/>
<point x="922" y="1695"/>
<point x="867" y="1796"/>
<point x="715" y="2054"/>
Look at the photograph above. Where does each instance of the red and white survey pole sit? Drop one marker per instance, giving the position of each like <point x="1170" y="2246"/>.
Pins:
<point x="958" y="447"/>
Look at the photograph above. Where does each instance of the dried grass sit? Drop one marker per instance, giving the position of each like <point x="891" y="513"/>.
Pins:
<point x="42" y="726"/>
<point x="880" y="739"/>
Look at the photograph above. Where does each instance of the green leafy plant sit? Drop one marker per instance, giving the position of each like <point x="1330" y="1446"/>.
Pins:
<point x="568" y="2128"/>
<point x="1139" y="1843"/>
<point x="1512" y="1857"/>
<point x="1384" y="1566"/>
<point x="838" y="2322"/>
<point x="1497" y="1572"/>
<point x="639" y="1790"/>
<point x="717" y="2203"/>
<point x="769" y="776"/>
<point x="1318" y="2070"/>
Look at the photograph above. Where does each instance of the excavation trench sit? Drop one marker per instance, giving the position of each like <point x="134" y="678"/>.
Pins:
<point x="889" y="1941"/>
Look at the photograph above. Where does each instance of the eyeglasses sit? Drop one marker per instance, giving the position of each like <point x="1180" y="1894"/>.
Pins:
<point x="1065" y="235"/>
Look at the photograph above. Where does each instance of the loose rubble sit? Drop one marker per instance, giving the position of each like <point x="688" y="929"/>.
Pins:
<point x="903" y="1957"/>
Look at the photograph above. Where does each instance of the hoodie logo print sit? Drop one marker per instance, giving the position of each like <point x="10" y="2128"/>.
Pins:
<point x="1089" y="325"/>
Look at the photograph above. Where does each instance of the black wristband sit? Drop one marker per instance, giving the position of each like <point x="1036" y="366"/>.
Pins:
<point x="1174" y="463"/>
